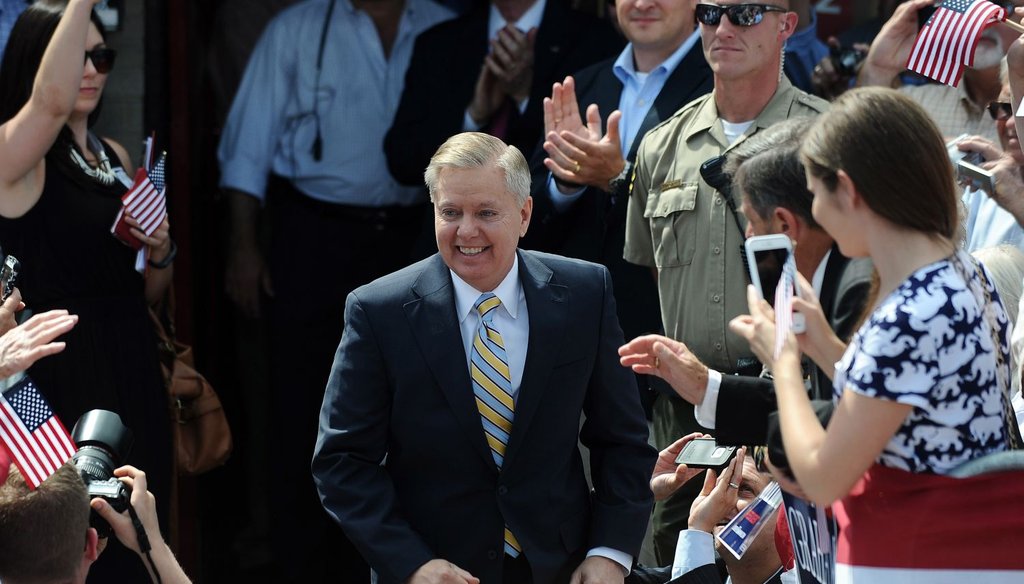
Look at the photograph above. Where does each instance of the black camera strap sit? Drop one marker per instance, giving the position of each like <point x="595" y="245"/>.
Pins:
<point x="144" y="546"/>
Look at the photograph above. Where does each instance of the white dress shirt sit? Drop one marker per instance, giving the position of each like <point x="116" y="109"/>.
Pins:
<point x="696" y="548"/>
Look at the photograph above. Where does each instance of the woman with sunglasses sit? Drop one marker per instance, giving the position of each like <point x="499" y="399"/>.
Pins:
<point x="60" y="191"/>
<point x="922" y="386"/>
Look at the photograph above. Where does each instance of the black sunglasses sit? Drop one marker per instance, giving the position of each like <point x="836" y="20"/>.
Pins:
<point x="102" y="59"/>
<point x="999" y="110"/>
<point x="738" y="14"/>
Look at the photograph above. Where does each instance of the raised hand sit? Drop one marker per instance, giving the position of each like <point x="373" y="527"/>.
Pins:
<point x="670" y="360"/>
<point x="669" y="476"/>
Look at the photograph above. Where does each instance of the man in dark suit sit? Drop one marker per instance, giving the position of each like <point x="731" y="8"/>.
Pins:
<point x="449" y="430"/>
<point x="767" y="171"/>
<point x="490" y="71"/>
<point x="581" y="212"/>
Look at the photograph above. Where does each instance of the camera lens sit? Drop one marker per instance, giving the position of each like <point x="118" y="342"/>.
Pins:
<point x="103" y="443"/>
<point x="103" y="439"/>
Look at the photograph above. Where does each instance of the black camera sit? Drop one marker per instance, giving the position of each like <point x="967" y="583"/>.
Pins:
<point x="103" y="443"/>
<point x="846" y="61"/>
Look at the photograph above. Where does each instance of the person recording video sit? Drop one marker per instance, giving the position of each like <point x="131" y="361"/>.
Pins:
<point x="41" y="530"/>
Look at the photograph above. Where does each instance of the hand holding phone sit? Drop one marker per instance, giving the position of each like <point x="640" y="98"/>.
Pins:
<point x="705" y="453"/>
<point x="968" y="167"/>
<point x="766" y="256"/>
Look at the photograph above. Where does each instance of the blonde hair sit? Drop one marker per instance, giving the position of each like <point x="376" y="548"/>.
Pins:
<point x="477" y="150"/>
<point x="1005" y="263"/>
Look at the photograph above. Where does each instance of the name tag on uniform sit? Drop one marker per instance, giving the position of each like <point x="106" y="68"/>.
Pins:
<point x="672" y="184"/>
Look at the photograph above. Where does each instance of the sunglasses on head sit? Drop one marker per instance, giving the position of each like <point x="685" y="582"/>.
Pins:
<point x="102" y="59"/>
<point x="738" y="14"/>
<point x="999" y="110"/>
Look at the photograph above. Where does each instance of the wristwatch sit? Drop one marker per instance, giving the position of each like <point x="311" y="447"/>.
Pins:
<point x="619" y="186"/>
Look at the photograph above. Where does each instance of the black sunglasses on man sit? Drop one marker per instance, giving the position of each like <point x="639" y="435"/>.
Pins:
<point x="739" y="14"/>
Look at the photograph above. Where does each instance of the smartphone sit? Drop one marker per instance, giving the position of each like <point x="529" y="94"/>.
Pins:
<point x="766" y="254"/>
<point x="969" y="173"/>
<point x="705" y="453"/>
<point x="979" y="179"/>
<point x="8" y="276"/>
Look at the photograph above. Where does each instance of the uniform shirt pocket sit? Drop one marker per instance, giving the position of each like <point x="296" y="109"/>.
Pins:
<point x="671" y="215"/>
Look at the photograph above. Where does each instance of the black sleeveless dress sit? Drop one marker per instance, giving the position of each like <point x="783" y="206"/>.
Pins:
<point x="69" y="259"/>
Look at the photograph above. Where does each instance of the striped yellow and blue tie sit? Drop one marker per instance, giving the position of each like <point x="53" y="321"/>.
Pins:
<point x="492" y="387"/>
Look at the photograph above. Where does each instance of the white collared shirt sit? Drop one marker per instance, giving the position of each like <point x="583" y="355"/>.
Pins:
<point x="530" y="19"/>
<point x="511" y="320"/>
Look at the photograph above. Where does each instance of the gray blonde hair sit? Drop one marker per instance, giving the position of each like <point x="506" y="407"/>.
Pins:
<point x="477" y="150"/>
<point x="1005" y="264"/>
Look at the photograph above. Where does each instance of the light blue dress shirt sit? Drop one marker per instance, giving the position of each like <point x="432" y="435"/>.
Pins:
<point x="271" y="127"/>
<point x="639" y="90"/>
<point x="988" y="224"/>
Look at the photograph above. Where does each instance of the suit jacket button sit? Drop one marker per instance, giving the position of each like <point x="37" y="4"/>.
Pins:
<point x="502" y="490"/>
<point x="492" y="555"/>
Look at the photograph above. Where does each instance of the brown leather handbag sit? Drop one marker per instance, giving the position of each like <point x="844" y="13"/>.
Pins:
<point x="202" y="436"/>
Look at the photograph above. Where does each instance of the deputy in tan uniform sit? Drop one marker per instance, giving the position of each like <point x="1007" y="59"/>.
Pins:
<point x="691" y="233"/>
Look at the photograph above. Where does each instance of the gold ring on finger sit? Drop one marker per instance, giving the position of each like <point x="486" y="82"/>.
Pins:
<point x="577" y="170"/>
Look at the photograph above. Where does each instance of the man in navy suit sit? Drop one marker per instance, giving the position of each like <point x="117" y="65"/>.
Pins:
<point x="448" y="447"/>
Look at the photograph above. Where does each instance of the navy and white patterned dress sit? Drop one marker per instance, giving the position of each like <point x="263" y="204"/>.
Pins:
<point x="929" y="344"/>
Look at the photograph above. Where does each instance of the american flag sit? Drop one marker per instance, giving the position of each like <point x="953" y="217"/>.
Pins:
<point x="35" y="438"/>
<point x="156" y="174"/>
<point x="948" y="40"/>
<point x="784" y="304"/>
<point x="145" y="202"/>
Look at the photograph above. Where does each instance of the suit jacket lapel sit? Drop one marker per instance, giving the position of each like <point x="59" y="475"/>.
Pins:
<point x="605" y="92"/>
<point x="435" y="325"/>
<point x="546" y="303"/>
<point x="687" y="78"/>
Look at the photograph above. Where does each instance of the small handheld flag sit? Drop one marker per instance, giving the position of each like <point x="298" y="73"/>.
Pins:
<point x="784" y="304"/>
<point x="947" y="42"/>
<point x="32" y="434"/>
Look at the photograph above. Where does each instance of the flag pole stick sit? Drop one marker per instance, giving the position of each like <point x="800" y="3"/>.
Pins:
<point x="1014" y="25"/>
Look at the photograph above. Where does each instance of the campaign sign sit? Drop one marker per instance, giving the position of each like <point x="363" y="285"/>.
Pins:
<point x="739" y="533"/>
<point x="814" y="544"/>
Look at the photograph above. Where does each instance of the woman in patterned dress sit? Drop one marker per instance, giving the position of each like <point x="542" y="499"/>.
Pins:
<point x="920" y="388"/>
